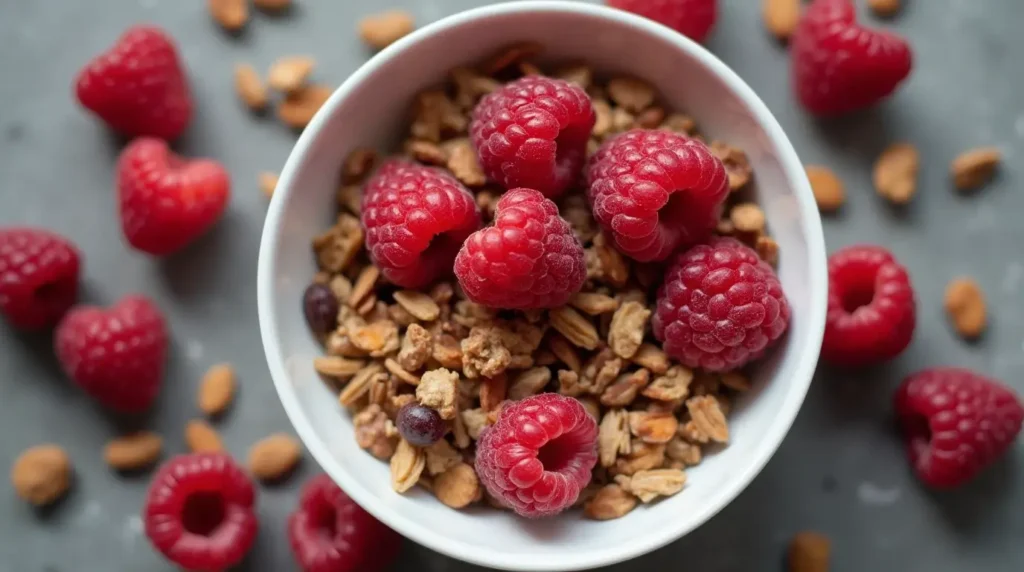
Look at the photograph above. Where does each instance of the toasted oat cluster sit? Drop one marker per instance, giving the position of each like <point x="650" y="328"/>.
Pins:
<point x="389" y="349"/>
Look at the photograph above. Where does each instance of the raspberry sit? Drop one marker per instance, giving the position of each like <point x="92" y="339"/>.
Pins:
<point x="116" y="355"/>
<point x="871" y="312"/>
<point x="329" y="532"/>
<point x="529" y="258"/>
<point x="38" y="276"/>
<point x="956" y="423"/>
<point x="691" y="18"/>
<point x="167" y="201"/>
<point x="719" y="307"/>
<point x="533" y="133"/>
<point x="654" y="191"/>
<point x="838" y="66"/>
<point x="538" y="456"/>
<point x="416" y="219"/>
<point x="138" y="87"/>
<point x="199" y="511"/>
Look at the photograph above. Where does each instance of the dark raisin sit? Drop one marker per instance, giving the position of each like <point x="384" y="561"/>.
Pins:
<point x="321" y="309"/>
<point x="420" y="425"/>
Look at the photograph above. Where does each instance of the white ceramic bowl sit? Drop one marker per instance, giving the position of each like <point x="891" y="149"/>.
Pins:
<point x="370" y="108"/>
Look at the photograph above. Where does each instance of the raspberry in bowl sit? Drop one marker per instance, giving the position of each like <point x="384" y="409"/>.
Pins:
<point x="439" y="417"/>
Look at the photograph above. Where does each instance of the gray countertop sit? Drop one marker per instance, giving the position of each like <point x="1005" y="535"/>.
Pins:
<point x="841" y="470"/>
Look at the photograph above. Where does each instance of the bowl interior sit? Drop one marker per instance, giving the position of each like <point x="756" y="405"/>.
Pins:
<point x="371" y="110"/>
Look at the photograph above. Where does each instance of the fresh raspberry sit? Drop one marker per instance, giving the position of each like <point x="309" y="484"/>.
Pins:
<point x="956" y="423"/>
<point x="199" y="511"/>
<point x="654" y="191"/>
<point x="138" y="87"/>
<point x="167" y="201"/>
<point x="116" y="355"/>
<point x="871" y="312"/>
<point x="533" y="133"/>
<point x="691" y="18"/>
<point x="839" y="66"/>
<point x="529" y="258"/>
<point x="38" y="276"/>
<point x="416" y="219"/>
<point x="719" y="307"/>
<point x="538" y="456"/>
<point x="329" y="532"/>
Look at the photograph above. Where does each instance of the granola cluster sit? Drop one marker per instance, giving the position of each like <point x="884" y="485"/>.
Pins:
<point x="393" y="346"/>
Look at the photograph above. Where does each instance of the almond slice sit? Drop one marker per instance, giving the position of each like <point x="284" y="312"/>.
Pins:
<point x="133" y="452"/>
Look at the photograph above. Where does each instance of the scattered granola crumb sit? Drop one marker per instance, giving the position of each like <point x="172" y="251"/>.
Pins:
<point x="737" y="166"/>
<point x="610" y="502"/>
<point x="268" y="183"/>
<point x="438" y="390"/>
<point x="274" y="457"/>
<point x="42" y="474"/>
<point x="406" y="466"/>
<point x="458" y="486"/>
<point x="885" y="8"/>
<point x="217" y="389"/>
<point x="416" y="347"/>
<point x="965" y="305"/>
<point x="202" y="438"/>
<point x="781" y="17"/>
<point x="250" y="88"/>
<point x="828" y="190"/>
<point x="651" y="484"/>
<point x="288" y="74"/>
<point x="385" y="28"/>
<point x="895" y="173"/>
<point x="230" y="14"/>
<point x="298" y="109"/>
<point x="626" y="332"/>
<point x="809" y="552"/>
<point x="134" y="451"/>
<point x="972" y="169"/>
<point x="630" y="93"/>
<point x="708" y="419"/>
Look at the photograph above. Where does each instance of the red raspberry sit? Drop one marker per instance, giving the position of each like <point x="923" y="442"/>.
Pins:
<point x="956" y="423"/>
<point x="329" y="532"/>
<point x="167" y="201"/>
<point x="38" y="276"/>
<point x="719" y="306"/>
<point x="116" y="355"/>
<point x="654" y="191"/>
<point x="529" y="258"/>
<point x="838" y="66"/>
<point x="871" y="312"/>
<point x="533" y="133"/>
<point x="691" y="18"/>
<point x="416" y="219"/>
<point x="138" y="87"/>
<point x="199" y="511"/>
<point x="538" y="456"/>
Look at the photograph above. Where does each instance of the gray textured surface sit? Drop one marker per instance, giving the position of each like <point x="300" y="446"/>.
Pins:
<point x="840" y="471"/>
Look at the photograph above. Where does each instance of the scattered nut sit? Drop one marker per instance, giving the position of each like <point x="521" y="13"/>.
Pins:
<point x="609" y="502"/>
<point x="272" y="5"/>
<point x="289" y="74"/>
<point x="458" y="486"/>
<point x="230" y="14"/>
<point x="381" y="30"/>
<point x="41" y="474"/>
<point x="827" y="188"/>
<point x="250" y="87"/>
<point x="974" y="168"/>
<point x="965" y="304"/>
<point x="885" y="8"/>
<point x="781" y="17"/>
<point x="133" y="452"/>
<point x="298" y="109"/>
<point x="217" y="389"/>
<point x="809" y="552"/>
<point x="274" y="457"/>
<point x="895" y="173"/>
<point x="202" y="438"/>
<point x="268" y="183"/>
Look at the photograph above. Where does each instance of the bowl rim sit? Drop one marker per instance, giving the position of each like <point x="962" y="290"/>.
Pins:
<point x="433" y="539"/>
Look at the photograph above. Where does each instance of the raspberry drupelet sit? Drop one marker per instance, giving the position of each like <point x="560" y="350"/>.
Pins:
<point x="538" y="456"/>
<point x="871" y="312"/>
<point x="533" y="133"/>
<point x="720" y="306"/>
<point x="39" y="273"/>
<point x="654" y="191"/>
<point x="529" y="258"/>
<point x="199" y="511"/>
<point x="416" y="219"/>
<point x="956" y="423"/>
<point x="329" y="532"/>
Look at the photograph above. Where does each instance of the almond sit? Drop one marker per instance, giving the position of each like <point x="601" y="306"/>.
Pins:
<point x="781" y="17"/>
<point x="268" y="183"/>
<point x="272" y="5"/>
<point x="885" y="8"/>
<point x="202" y="438"/>
<point x="298" y="109"/>
<point x="217" y="389"/>
<point x="230" y="14"/>
<point x="289" y="74"/>
<point x="974" y="168"/>
<point x="965" y="304"/>
<point x="133" y="452"/>
<point x="41" y="474"/>
<point x="809" y="552"/>
<point x="274" y="457"/>
<point x="381" y="30"/>
<point x="828" y="190"/>
<point x="250" y="87"/>
<point x="895" y="173"/>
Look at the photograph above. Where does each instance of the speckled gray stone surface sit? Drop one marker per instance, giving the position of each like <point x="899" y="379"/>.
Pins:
<point x="840" y="471"/>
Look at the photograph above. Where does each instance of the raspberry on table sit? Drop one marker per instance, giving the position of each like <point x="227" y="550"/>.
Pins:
<point x="871" y="312"/>
<point x="539" y="454"/>
<point x="116" y="355"/>
<point x="416" y="219"/>
<point x="720" y="306"/>
<point x="329" y="532"/>
<point x="839" y="66"/>
<point x="138" y="87"/>
<point x="199" y="511"/>
<point x="691" y="18"/>
<point x="167" y="201"/>
<point x="533" y="133"/>
<point x="39" y="273"/>
<point x="654" y="191"/>
<point x="529" y="257"/>
<point x="956" y="423"/>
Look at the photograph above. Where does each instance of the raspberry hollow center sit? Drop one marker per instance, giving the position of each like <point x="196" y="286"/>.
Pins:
<point x="558" y="453"/>
<point x="203" y="513"/>
<point x="857" y="294"/>
<point x="325" y="521"/>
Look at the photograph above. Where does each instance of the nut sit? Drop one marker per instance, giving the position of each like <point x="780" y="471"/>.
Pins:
<point x="272" y="5"/>
<point x="708" y="419"/>
<point x="574" y="327"/>
<point x="274" y="457"/>
<point x="298" y="109"/>
<point x="133" y="452"/>
<point x="737" y="165"/>
<point x="268" y="183"/>
<point x="974" y="168"/>
<point x="202" y="438"/>
<point x="41" y="474"/>
<point x="747" y="217"/>
<point x="250" y="87"/>
<point x="651" y="357"/>
<point x="337" y="366"/>
<point x="827" y="188"/>
<point x="289" y="74"/>
<point x="649" y="485"/>
<point x="675" y="384"/>
<point x="381" y="30"/>
<point x="458" y="486"/>
<point x="613" y="437"/>
<point x="217" y="389"/>
<point x="609" y="502"/>
<point x="809" y="552"/>
<point x="406" y="466"/>
<point x="781" y="17"/>
<point x="885" y="8"/>
<point x="359" y="384"/>
<point x="895" y="173"/>
<point x="653" y="427"/>
<point x="627" y="329"/>
<point x="230" y="14"/>
<point x="965" y="304"/>
<point x="529" y="382"/>
<point x="420" y="305"/>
